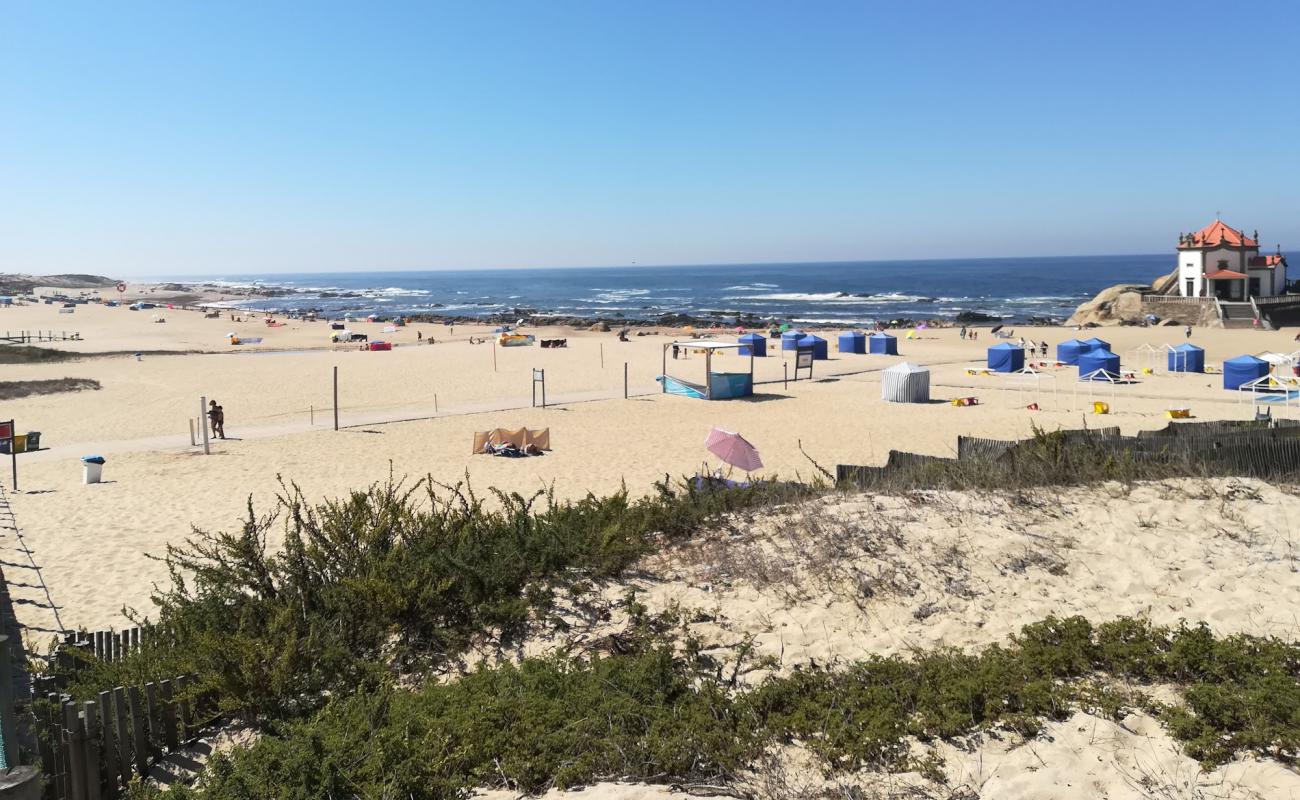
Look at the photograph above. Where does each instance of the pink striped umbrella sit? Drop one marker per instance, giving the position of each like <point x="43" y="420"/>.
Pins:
<point x="733" y="449"/>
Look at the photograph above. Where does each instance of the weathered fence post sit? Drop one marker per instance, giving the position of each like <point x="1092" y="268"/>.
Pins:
<point x="183" y="684"/>
<point x="92" y="750"/>
<point x="75" y="739"/>
<point x="139" y="737"/>
<point x="151" y="708"/>
<point x="109" y="743"/>
<point x="169" y="714"/>
<point x="123" y="734"/>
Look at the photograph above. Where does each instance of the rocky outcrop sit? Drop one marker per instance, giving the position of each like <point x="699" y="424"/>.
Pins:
<point x="1122" y="305"/>
<point x="1117" y="304"/>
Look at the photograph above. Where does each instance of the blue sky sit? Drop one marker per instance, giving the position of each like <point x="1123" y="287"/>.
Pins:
<point x="187" y="137"/>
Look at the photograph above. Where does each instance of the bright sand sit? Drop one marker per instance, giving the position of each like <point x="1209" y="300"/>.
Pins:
<point x="91" y="540"/>
<point x="1156" y="554"/>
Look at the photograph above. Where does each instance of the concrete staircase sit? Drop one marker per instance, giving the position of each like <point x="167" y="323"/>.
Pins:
<point x="1237" y="315"/>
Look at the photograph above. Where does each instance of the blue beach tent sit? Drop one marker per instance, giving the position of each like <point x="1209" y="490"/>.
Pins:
<point x="1068" y="352"/>
<point x="751" y="344"/>
<point x="1186" y="358"/>
<point x="1097" y="344"/>
<point x="1006" y="357"/>
<point x="1243" y="369"/>
<point x="853" y="342"/>
<point x="882" y="344"/>
<point x="818" y="345"/>
<point x="790" y="339"/>
<point x="1094" y="360"/>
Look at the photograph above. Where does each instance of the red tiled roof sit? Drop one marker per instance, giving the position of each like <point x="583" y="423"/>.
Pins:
<point x="1266" y="261"/>
<point x="1217" y="234"/>
<point x="1223" y="273"/>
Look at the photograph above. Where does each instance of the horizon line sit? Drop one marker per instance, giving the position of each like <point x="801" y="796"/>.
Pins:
<point x="634" y="265"/>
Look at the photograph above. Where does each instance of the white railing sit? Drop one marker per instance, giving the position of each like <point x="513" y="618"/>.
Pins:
<point x="1174" y="298"/>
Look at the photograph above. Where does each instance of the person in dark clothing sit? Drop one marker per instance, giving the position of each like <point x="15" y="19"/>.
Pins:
<point x="217" y="418"/>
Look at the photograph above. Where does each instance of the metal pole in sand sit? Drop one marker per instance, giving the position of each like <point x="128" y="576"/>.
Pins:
<point x="494" y="355"/>
<point x="192" y="442"/>
<point x="785" y="369"/>
<point x="203" y="409"/>
<point x="602" y="355"/>
<point x="336" y="398"/>
<point x="312" y="411"/>
<point x="624" y="380"/>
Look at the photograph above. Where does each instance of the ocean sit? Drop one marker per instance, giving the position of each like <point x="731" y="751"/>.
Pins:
<point x="841" y="293"/>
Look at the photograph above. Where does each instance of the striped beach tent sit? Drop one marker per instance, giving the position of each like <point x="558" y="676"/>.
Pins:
<point x="905" y="383"/>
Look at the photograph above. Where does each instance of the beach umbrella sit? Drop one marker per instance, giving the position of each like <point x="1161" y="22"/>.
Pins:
<point x="785" y="326"/>
<point x="733" y="449"/>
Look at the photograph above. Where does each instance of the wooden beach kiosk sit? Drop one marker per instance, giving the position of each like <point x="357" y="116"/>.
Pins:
<point x="717" y="385"/>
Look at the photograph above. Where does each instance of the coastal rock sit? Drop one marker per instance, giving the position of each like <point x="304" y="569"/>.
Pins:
<point x="1122" y="304"/>
<point x="1111" y="305"/>
<point x="968" y="317"/>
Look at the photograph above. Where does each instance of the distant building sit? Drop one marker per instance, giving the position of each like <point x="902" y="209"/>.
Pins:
<point x="1218" y="261"/>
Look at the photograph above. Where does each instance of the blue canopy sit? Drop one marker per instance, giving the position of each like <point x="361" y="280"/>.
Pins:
<point x="883" y="344"/>
<point x="1097" y="344"/>
<point x="818" y="345"/>
<point x="790" y="339"/>
<point x="752" y="344"/>
<point x="853" y="342"/>
<point x="1186" y="358"/>
<point x="1243" y="369"/>
<point x="1068" y="352"/>
<point x="1006" y="357"/>
<point x="1094" y="360"/>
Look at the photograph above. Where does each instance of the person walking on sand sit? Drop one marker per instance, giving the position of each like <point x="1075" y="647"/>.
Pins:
<point x="1188" y="331"/>
<point x="217" y="418"/>
<point x="963" y="333"/>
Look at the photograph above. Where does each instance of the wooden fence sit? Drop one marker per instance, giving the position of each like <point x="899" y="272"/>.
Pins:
<point x="91" y="749"/>
<point x="27" y="337"/>
<point x="109" y="645"/>
<point x="1221" y="448"/>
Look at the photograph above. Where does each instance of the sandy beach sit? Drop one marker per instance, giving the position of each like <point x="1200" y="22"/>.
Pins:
<point x="413" y="412"/>
<point x="84" y="551"/>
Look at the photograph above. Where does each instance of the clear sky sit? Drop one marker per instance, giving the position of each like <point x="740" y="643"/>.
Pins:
<point x="185" y="137"/>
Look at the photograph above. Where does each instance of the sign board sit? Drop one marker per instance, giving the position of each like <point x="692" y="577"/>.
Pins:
<point x="121" y="287"/>
<point x="6" y="430"/>
<point x="539" y="378"/>
<point x="803" y="359"/>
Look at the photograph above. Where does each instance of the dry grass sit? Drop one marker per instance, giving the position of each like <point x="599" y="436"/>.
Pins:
<point x="14" y="390"/>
